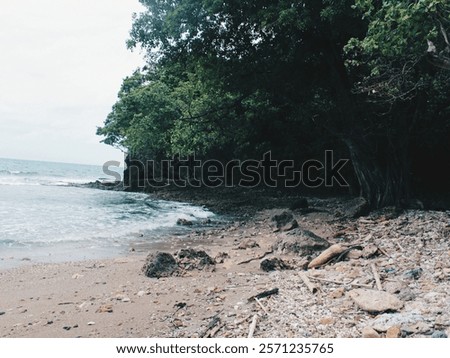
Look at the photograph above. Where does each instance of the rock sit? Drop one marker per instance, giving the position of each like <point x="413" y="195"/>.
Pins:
<point x="369" y="332"/>
<point x="417" y="328"/>
<point x="414" y="274"/>
<point x="221" y="257"/>
<point x="337" y="293"/>
<point x="190" y="259"/>
<point x="406" y="295"/>
<point x="126" y="299"/>
<point x="290" y="226"/>
<point x="393" y="332"/>
<point x="439" y="334"/>
<point x="327" y="321"/>
<point x="301" y="203"/>
<point x="77" y="276"/>
<point x="369" y="251"/>
<point x="184" y="222"/>
<point x="247" y="244"/>
<point x="141" y="294"/>
<point x="67" y="328"/>
<point x="356" y="208"/>
<point x="105" y="309"/>
<point x="301" y="242"/>
<point x="375" y="301"/>
<point x="385" y="321"/>
<point x="354" y="254"/>
<point x="282" y="219"/>
<point x="395" y="287"/>
<point x="91" y="323"/>
<point x="2" y="313"/>
<point x="160" y="264"/>
<point x="274" y="264"/>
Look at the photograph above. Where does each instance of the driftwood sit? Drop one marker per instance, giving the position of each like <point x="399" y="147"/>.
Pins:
<point x="262" y="306"/>
<point x="307" y="282"/>
<point x="256" y="258"/>
<point x="340" y="283"/>
<point x="326" y="256"/>
<point x="253" y="326"/>
<point x="264" y="294"/>
<point x="377" y="277"/>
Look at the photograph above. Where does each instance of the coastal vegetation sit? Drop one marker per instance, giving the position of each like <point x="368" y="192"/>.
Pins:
<point x="231" y="79"/>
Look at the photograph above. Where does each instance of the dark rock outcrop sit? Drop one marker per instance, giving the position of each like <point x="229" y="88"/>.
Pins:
<point x="301" y="242"/>
<point x="160" y="264"/>
<point x="190" y="259"/>
<point x="274" y="264"/>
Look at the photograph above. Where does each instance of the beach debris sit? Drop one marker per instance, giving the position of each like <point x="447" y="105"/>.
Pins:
<point x="160" y="264"/>
<point x="326" y="256"/>
<point x="213" y="323"/>
<point x="375" y="301"/>
<point x="369" y="251"/>
<point x="274" y="264"/>
<point x="301" y="242"/>
<point x="261" y="305"/>
<point x="190" y="259"/>
<point x="376" y="276"/>
<point x="264" y="294"/>
<point x="256" y="258"/>
<point x="393" y="332"/>
<point x="184" y="222"/>
<point x="369" y="332"/>
<point x="311" y="287"/>
<point x="252" y="328"/>
<point x="105" y="309"/>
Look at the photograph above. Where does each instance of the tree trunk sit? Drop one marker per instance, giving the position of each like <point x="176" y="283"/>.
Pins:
<point x="382" y="171"/>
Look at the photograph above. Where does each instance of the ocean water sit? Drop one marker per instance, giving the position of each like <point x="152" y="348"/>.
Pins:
<point x="45" y="219"/>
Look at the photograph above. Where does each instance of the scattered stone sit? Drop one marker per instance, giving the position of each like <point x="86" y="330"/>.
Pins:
<point x="67" y="328"/>
<point x="91" y="323"/>
<point x="417" y="328"/>
<point x="407" y="295"/>
<point x="2" y="313"/>
<point x="355" y="254"/>
<point x="77" y="276"/>
<point x="247" y="244"/>
<point x="184" y="222"/>
<point x="395" y="287"/>
<point x="385" y="321"/>
<point x="301" y="242"/>
<point x="105" y="309"/>
<point x="49" y="323"/>
<point x="356" y="208"/>
<point x="375" y="301"/>
<point x="414" y="274"/>
<point x="141" y="293"/>
<point x="327" y="321"/>
<point x="369" y="251"/>
<point x="338" y="293"/>
<point x="160" y="264"/>
<point x="274" y="264"/>
<point x="190" y="259"/>
<point x="393" y="332"/>
<point x="290" y="226"/>
<point x="301" y="203"/>
<point x="282" y="219"/>
<point x="369" y="332"/>
<point x="439" y="334"/>
<point x="221" y="257"/>
<point x="126" y="299"/>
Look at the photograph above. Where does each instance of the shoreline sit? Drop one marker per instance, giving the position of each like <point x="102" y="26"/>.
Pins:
<point x="73" y="299"/>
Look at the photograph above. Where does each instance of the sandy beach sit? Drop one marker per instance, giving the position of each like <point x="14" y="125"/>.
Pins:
<point x="408" y="251"/>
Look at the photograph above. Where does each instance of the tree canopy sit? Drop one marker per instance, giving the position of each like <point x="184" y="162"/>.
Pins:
<point x="234" y="79"/>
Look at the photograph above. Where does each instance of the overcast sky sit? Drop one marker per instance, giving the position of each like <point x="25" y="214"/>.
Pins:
<point x="61" y="66"/>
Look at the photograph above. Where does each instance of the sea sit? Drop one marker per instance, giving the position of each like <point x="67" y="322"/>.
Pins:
<point x="44" y="218"/>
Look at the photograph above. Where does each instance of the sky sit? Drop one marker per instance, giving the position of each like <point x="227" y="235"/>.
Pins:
<point x="61" y="66"/>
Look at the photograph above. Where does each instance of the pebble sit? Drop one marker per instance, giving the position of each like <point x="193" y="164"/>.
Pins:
<point x="369" y="332"/>
<point x="384" y="322"/>
<point x="439" y="334"/>
<point x="91" y="323"/>
<point x="2" y="313"/>
<point x="393" y="332"/>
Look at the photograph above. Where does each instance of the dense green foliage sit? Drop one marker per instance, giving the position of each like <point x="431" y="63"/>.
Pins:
<point x="230" y="78"/>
